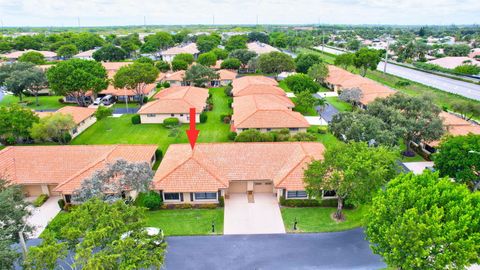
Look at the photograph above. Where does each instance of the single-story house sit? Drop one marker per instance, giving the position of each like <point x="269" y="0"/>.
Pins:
<point x="13" y="56"/>
<point x="61" y="169"/>
<point x="113" y="67"/>
<point x="283" y="75"/>
<point x="132" y="95"/>
<point x="175" y="102"/>
<point x="261" y="48"/>
<point x="83" y="117"/>
<point x="266" y="113"/>
<point x="212" y="170"/>
<point x="455" y="126"/>
<point x="86" y="55"/>
<point x="239" y="85"/>
<point x="452" y="62"/>
<point x="474" y="53"/>
<point x="225" y="77"/>
<point x="218" y="65"/>
<point x="169" y="54"/>
<point x="176" y="78"/>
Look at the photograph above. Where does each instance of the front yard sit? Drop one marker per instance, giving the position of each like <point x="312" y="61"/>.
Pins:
<point x="187" y="221"/>
<point x="45" y="102"/>
<point x="318" y="219"/>
<point x="120" y="130"/>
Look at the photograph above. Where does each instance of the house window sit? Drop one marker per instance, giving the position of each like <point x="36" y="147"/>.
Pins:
<point x="296" y="194"/>
<point x="329" y="193"/>
<point x="172" y="115"/>
<point x="171" y="196"/>
<point x="151" y="115"/>
<point x="293" y="129"/>
<point x="205" y="196"/>
<point x="269" y="129"/>
<point x="74" y="130"/>
<point x="181" y="115"/>
<point x="68" y="198"/>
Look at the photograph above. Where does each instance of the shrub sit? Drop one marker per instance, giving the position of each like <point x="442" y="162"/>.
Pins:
<point x="221" y="201"/>
<point x="250" y="135"/>
<point x="329" y="203"/>
<point x="67" y="137"/>
<point x="207" y="206"/>
<point x="228" y="90"/>
<point x="304" y="137"/>
<point x="61" y="203"/>
<point x="231" y="63"/>
<point x="312" y="129"/>
<point x="158" y="154"/>
<point x="301" y="82"/>
<point x="145" y="99"/>
<point x="232" y="135"/>
<point x="136" y="119"/>
<point x="151" y="200"/>
<point x="299" y="203"/>
<point x="166" y="84"/>
<point x="40" y="200"/>
<point x="61" y="100"/>
<point x="402" y="83"/>
<point x="183" y="206"/>
<point x="186" y="57"/>
<point x="171" y="122"/>
<point x="179" y="65"/>
<point x="203" y="117"/>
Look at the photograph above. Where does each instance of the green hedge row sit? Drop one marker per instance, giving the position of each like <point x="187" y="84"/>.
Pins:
<point x="40" y="200"/>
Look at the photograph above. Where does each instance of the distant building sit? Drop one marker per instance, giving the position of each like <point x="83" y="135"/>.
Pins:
<point x="13" y="56"/>
<point x="452" y="62"/>
<point x="169" y="54"/>
<point x="86" y="55"/>
<point x="261" y="48"/>
<point x="83" y="117"/>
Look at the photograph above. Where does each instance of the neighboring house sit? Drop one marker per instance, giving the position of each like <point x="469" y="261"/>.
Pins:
<point x="255" y="89"/>
<point x="212" y="170"/>
<point x="83" y="117"/>
<point x="266" y="113"/>
<point x="176" y="78"/>
<point x="452" y="62"/>
<point x="175" y="102"/>
<point x="132" y="95"/>
<point x="86" y="55"/>
<point x="59" y="170"/>
<point x="218" y="65"/>
<point x="282" y="76"/>
<point x="13" y="56"/>
<point x="225" y="77"/>
<point x="261" y="48"/>
<point x="169" y="54"/>
<point x="339" y="79"/>
<point x="240" y="83"/>
<point x="475" y="53"/>
<point x="455" y="126"/>
<point x="113" y="67"/>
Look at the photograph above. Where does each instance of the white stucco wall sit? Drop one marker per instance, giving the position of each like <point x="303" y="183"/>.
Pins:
<point x="159" y="118"/>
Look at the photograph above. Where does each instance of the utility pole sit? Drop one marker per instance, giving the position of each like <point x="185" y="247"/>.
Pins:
<point x="213" y="19"/>
<point x="145" y="22"/>
<point x="78" y="20"/>
<point x="257" y="19"/>
<point x="386" y="57"/>
<point x="323" y="40"/>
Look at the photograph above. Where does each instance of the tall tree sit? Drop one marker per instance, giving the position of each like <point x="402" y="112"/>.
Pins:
<point x="67" y="51"/>
<point x="425" y="222"/>
<point x="136" y="77"/>
<point x="77" y="78"/>
<point x="258" y="36"/>
<point x="156" y="42"/>
<point x="236" y="42"/>
<point x="459" y="158"/>
<point x="200" y="75"/>
<point x="14" y="211"/>
<point x="32" y="80"/>
<point x="467" y="110"/>
<point x="243" y="55"/>
<point x="412" y="118"/>
<point x="231" y="63"/>
<point x="186" y="57"/>
<point x="276" y="62"/>
<point x="366" y="59"/>
<point x="32" y="57"/>
<point x="351" y="95"/>
<point x="318" y="72"/>
<point x="109" y="53"/>
<point x="15" y="123"/>
<point x="354" y="171"/>
<point x="299" y="83"/>
<point x="220" y="53"/>
<point x="55" y="127"/>
<point x="304" y="101"/>
<point x="306" y="60"/>
<point x="207" y="59"/>
<point x="207" y="43"/>
<point x="116" y="178"/>
<point x="115" y="231"/>
<point x="345" y="60"/>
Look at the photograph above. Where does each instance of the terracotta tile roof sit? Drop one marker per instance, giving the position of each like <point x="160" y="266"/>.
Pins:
<point x="261" y="48"/>
<point x="79" y="114"/>
<point x="111" y="90"/>
<point x="67" y="165"/>
<point x="212" y="166"/>
<point x="88" y="53"/>
<point x="264" y="111"/>
<point x="453" y="61"/>
<point x="175" y="76"/>
<point x="114" y="66"/>
<point x="456" y="126"/>
<point x="177" y="99"/>
<point x="255" y="89"/>
<point x="242" y="82"/>
<point x="190" y="48"/>
<point x="218" y="64"/>
<point x="226" y="74"/>
<point x="17" y="54"/>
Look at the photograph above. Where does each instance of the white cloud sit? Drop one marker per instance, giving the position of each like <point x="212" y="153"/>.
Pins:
<point x="126" y="12"/>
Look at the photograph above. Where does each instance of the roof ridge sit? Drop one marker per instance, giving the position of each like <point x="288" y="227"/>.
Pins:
<point x="291" y="170"/>
<point x="206" y="169"/>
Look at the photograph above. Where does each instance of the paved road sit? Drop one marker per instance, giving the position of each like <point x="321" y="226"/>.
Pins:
<point x="465" y="89"/>
<point x="341" y="250"/>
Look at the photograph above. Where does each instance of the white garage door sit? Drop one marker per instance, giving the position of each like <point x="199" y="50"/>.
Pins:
<point x="237" y="187"/>
<point x="263" y="187"/>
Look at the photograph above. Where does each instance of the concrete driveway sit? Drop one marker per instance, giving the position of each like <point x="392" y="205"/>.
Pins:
<point x="261" y="217"/>
<point x="339" y="250"/>
<point x="42" y="215"/>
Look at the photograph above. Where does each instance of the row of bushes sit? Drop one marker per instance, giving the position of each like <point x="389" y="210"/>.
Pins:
<point x="40" y="200"/>
<point x="190" y="206"/>
<point x="151" y="200"/>
<point x="253" y="135"/>
<point x="465" y="69"/>
<point x="307" y="203"/>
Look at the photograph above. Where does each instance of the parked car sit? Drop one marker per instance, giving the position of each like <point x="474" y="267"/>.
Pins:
<point x="97" y="101"/>
<point x="108" y="99"/>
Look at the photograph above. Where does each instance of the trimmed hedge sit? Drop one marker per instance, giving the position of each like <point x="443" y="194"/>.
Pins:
<point x="158" y="154"/>
<point x="307" y="202"/>
<point x="232" y="135"/>
<point x="61" y="204"/>
<point x="136" y="119"/>
<point x="171" y="122"/>
<point x="221" y="201"/>
<point x="40" y="200"/>
<point x="191" y="206"/>
<point x="203" y="117"/>
<point x="151" y="200"/>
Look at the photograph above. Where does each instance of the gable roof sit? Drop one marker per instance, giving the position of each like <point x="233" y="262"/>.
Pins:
<point x="111" y="90"/>
<point x="255" y="89"/>
<point x="66" y="165"/>
<point x="88" y="53"/>
<point x="261" y="48"/>
<point x="456" y="126"/>
<point x="17" y="54"/>
<point x="177" y="99"/>
<point x="79" y="114"/>
<point x="454" y="61"/>
<point x="175" y="76"/>
<point x="242" y="82"/>
<point x="225" y="74"/>
<point x="190" y="48"/>
<point x="212" y="166"/>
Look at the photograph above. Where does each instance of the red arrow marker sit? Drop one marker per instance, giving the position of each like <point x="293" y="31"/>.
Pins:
<point x="192" y="133"/>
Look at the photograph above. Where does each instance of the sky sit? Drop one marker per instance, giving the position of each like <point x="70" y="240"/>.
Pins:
<point x="178" y="12"/>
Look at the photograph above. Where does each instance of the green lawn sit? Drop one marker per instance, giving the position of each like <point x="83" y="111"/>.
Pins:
<point x="45" y="102"/>
<point x="318" y="219"/>
<point x="121" y="131"/>
<point x="284" y="86"/>
<point x="187" y="221"/>
<point x="339" y="104"/>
